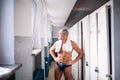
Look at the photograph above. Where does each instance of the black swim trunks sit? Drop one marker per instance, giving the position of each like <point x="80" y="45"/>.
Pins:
<point x="62" y="66"/>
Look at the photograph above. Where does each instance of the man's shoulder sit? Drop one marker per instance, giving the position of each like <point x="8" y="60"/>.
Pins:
<point x="73" y="43"/>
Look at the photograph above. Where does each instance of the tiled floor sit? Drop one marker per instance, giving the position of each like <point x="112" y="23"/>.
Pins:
<point x="51" y="72"/>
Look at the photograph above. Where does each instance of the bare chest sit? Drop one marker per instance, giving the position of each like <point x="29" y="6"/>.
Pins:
<point x="63" y="48"/>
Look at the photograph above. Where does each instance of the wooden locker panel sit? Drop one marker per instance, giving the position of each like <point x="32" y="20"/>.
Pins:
<point x="75" y="54"/>
<point x="75" y="67"/>
<point x="103" y="48"/>
<point x="79" y="33"/>
<point x="71" y="37"/>
<point x="86" y="46"/>
<point x="79" y="41"/>
<point x="93" y="47"/>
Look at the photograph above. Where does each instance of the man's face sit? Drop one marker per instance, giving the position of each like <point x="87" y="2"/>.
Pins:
<point x="61" y="35"/>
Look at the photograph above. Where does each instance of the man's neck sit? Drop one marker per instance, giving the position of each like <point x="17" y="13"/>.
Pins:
<point x="64" y="41"/>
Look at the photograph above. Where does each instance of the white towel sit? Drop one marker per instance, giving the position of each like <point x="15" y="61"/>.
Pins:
<point x="68" y="46"/>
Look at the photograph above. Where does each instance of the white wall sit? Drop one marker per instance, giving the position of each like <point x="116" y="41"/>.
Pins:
<point x="23" y="51"/>
<point x="23" y="17"/>
<point x="23" y="38"/>
<point x="116" y="39"/>
<point x="7" y="31"/>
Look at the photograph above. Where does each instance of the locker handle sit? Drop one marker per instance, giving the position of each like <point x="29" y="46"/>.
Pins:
<point x="86" y="64"/>
<point x="96" y="69"/>
<point x="46" y="62"/>
<point x="108" y="75"/>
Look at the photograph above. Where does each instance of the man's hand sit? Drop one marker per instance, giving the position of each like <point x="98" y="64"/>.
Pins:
<point x="56" y="59"/>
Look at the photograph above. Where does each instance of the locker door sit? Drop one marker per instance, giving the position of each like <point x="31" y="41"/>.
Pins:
<point x="103" y="47"/>
<point x="93" y="47"/>
<point x="86" y="39"/>
<point x="75" y="54"/>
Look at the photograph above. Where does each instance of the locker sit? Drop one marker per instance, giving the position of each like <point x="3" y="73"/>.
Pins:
<point x="93" y="47"/>
<point x="103" y="44"/>
<point x="86" y="46"/>
<point x="75" y="38"/>
<point x="71" y="31"/>
<point x="76" y="68"/>
<point x="99" y="45"/>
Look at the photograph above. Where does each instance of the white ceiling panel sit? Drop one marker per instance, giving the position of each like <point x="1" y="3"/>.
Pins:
<point x="59" y="10"/>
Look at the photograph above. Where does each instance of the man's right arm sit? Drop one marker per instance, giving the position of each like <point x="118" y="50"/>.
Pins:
<point x="52" y="51"/>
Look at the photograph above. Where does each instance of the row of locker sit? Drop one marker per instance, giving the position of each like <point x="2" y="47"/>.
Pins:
<point x="95" y="40"/>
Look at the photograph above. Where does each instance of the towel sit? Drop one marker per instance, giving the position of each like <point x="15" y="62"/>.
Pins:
<point x="68" y="46"/>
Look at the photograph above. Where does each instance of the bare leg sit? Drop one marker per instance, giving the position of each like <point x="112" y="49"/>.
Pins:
<point x="67" y="73"/>
<point x="58" y="73"/>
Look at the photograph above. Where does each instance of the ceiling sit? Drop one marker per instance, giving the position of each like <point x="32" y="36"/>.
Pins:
<point x="68" y="12"/>
<point x="59" y="10"/>
<point x="83" y="8"/>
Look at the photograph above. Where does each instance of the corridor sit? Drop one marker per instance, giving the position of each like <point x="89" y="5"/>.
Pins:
<point x="29" y="28"/>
